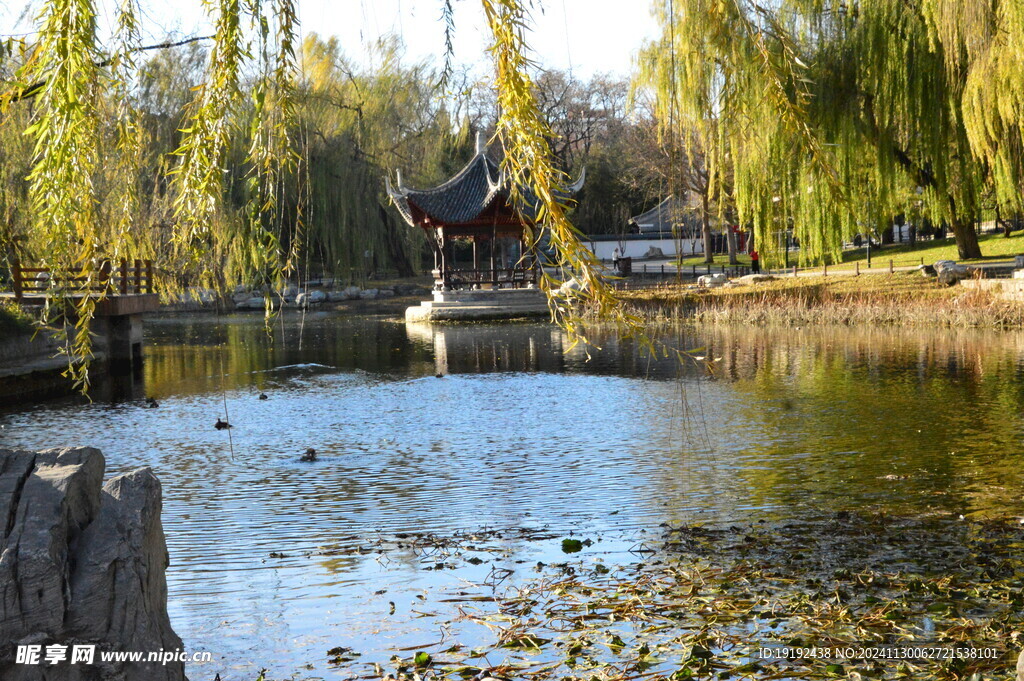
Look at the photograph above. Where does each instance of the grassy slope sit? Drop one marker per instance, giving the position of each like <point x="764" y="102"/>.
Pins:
<point x="994" y="247"/>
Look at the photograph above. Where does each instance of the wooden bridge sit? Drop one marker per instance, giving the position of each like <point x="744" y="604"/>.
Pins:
<point x="124" y="291"/>
<point x="125" y="287"/>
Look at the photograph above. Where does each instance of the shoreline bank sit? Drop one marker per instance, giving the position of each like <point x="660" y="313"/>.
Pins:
<point x="900" y="299"/>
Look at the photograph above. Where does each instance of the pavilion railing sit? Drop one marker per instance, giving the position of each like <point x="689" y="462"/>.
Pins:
<point x="511" y="277"/>
<point x="125" y="277"/>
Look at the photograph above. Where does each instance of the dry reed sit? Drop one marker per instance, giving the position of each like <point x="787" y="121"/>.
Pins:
<point x="878" y="301"/>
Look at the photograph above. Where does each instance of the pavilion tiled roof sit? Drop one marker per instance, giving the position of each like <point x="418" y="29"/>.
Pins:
<point x="464" y="197"/>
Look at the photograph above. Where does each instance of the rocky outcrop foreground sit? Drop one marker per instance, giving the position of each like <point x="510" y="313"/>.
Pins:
<point x="81" y="563"/>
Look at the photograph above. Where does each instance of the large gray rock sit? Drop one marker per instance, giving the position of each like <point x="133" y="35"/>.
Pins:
<point x="949" y="272"/>
<point x="409" y="290"/>
<point x="81" y="564"/>
<point x="310" y="298"/>
<point x="49" y="498"/>
<point x="254" y="303"/>
<point x="198" y="296"/>
<point x="1020" y="667"/>
<point x="712" y="280"/>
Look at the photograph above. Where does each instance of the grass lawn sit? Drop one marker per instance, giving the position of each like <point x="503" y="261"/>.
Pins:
<point x="720" y="259"/>
<point x="993" y="246"/>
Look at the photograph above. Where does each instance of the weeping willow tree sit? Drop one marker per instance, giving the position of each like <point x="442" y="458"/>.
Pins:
<point x="85" y="130"/>
<point x="84" y="180"/>
<point x="15" y="161"/>
<point x="831" y="117"/>
<point x="358" y="122"/>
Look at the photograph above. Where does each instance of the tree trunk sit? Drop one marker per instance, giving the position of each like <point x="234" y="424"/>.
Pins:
<point x="730" y="237"/>
<point x="705" y="230"/>
<point x="963" y="229"/>
<point x="1007" y="228"/>
<point x="966" y="240"/>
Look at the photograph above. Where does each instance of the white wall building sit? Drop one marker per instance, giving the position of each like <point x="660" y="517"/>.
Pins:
<point x="638" y="246"/>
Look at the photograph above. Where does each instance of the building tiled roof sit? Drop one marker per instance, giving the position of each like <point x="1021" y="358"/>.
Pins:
<point x="670" y="213"/>
<point x="464" y="197"/>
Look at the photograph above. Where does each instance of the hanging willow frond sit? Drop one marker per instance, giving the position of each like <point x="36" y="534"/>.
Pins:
<point x="129" y="147"/>
<point x="61" y="192"/>
<point x="84" y="209"/>
<point x="448" y="17"/>
<point x="201" y="170"/>
<point x="256" y="251"/>
<point x="285" y="82"/>
<point x="993" y="98"/>
<point x="528" y="163"/>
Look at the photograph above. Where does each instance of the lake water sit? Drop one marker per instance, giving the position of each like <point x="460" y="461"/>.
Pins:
<point x="506" y="432"/>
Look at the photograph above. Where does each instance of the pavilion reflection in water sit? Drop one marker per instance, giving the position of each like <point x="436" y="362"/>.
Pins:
<point x="485" y="349"/>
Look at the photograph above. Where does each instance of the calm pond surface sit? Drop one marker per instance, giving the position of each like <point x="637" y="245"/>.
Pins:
<point x="523" y="441"/>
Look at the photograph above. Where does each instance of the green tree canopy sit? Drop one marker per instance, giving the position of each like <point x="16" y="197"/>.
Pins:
<point x="830" y="116"/>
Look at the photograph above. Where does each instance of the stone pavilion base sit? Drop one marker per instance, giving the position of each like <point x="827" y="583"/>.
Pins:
<point x="477" y="305"/>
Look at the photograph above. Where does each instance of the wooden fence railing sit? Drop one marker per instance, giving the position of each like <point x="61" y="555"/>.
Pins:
<point x="124" y="277"/>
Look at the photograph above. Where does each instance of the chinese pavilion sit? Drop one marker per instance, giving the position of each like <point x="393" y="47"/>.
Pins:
<point x="474" y="206"/>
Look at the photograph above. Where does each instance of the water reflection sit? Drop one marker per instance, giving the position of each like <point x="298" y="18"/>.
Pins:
<point x="464" y="349"/>
<point x="521" y="431"/>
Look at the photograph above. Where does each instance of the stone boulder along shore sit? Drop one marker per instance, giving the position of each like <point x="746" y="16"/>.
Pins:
<point x="949" y="272"/>
<point x="81" y="563"/>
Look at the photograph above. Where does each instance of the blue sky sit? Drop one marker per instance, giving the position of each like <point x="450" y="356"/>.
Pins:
<point x="590" y="36"/>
